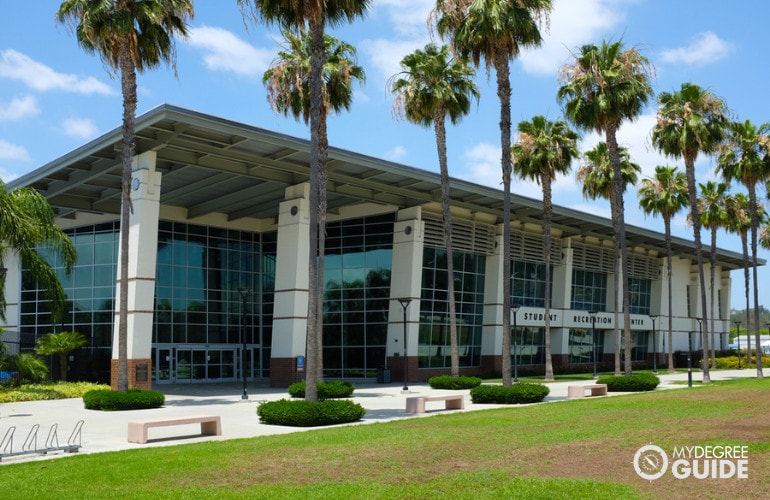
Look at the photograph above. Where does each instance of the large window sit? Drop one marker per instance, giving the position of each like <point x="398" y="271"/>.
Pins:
<point x="639" y="296"/>
<point x="530" y="345"/>
<point x="434" y="342"/>
<point x="589" y="290"/>
<point x="528" y="283"/>
<point x="583" y="346"/>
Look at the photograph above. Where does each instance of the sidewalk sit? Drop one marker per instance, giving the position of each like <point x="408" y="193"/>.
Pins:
<point x="107" y="431"/>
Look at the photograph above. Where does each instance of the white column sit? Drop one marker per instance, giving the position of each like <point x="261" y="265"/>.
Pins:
<point x="492" y="330"/>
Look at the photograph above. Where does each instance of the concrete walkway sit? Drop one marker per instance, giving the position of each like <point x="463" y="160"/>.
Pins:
<point x="107" y="431"/>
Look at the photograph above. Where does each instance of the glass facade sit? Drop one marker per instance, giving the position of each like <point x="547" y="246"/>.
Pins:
<point x="528" y="283"/>
<point x="582" y="345"/>
<point x="530" y="345"/>
<point x="434" y="343"/>
<point x="357" y="266"/>
<point x="639" y="295"/>
<point x="589" y="290"/>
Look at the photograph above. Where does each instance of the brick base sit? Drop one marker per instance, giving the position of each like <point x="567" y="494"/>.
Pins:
<point x="137" y="368"/>
<point x="283" y="372"/>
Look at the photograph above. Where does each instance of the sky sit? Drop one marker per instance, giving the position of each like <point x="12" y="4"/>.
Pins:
<point x="55" y="97"/>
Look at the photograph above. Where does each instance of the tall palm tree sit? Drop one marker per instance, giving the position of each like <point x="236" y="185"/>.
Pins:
<point x="26" y="224"/>
<point x="713" y="216"/>
<point x="288" y="90"/>
<point x="496" y="31"/>
<point x="312" y="15"/>
<point x="596" y="176"/>
<point x="740" y="222"/>
<point x="128" y="36"/>
<point x="61" y="343"/>
<point x="665" y="195"/>
<point x="605" y="86"/>
<point x="544" y="149"/>
<point x="691" y="121"/>
<point x="745" y="157"/>
<point x="431" y="86"/>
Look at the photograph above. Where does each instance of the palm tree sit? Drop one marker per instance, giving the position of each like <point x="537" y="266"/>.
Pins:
<point x="496" y="31"/>
<point x="596" y="176"/>
<point x="296" y="16"/>
<point x="27" y="224"/>
<point x="744" y="157"/>
<point x="666" y="195"/>
<point x="61" y="343"/>
<point x="714" y="217"/>
<point x="690" y="121"/>
<point x="740" y="222"/>
<point x="543" y="150"/>
<point x="603" y="87"/>
<point x="128" y="36"/>
<point x="288" y="90"/>
<point x="431" y="86"/>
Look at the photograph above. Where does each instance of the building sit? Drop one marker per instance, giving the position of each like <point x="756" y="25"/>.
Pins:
<point x="218" y="259"/>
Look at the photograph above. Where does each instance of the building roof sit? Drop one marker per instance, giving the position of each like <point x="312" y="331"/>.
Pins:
<point x="213" y="165"/>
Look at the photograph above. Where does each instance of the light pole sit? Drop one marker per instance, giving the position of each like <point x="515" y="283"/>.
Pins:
<point x="653" y="317"/>
<point x="245" y="292"/>
<point x="514" y="309"/>
<point x="738" y="336"/>
<point x="404" y="301"/>
<point x="593" y="337"/>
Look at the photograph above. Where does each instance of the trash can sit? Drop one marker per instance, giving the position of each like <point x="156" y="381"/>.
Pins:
<point x="383" y="375"/>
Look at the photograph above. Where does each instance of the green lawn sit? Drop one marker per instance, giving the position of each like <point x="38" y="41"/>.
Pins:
<point x="570" y="449"/>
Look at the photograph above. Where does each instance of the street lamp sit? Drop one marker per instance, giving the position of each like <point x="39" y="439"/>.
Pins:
<point x="404" y="301"/>
<point x="738" y="336"/>
<point x="514" y="309"/>
<point x="653" y="317"/>
<point x="245" y="292"/>
<point x="593" y="337"/>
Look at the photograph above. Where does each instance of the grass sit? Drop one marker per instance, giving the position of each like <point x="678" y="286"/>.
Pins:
<point x="571" y="449"/>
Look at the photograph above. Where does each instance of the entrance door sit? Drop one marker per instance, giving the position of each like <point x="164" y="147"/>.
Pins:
<point x="195" y="364"/>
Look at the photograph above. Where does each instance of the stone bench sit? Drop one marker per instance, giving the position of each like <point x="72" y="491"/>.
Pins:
<point x="451" y="402"/>
<point x="579" y="391"/>
<point x="210" y="426"/>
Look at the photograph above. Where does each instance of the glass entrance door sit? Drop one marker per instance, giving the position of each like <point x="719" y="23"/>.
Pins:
<point x="196" y="364"/>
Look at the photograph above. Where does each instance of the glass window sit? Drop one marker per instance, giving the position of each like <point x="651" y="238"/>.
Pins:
<point x="583" y="346"/>
<point x="639" y="296"/>
<point x="528" y="283"/>
<point x="589" y="290"/>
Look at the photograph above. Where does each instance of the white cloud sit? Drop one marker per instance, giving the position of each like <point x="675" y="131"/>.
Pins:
<point x="408" y="17"/>
<point x="396" y="153"/>
<point x="385" y="55"/>
<point x="10" y="151"/>
<point x="18" y="109"/>
<point x="81" y="128"/>
<point x="704" y="49"/>
<point x="7" y="176"/>
<point x="223" y="51"/>
<point x="38" y="76"/>
<point x="482" y="165"/>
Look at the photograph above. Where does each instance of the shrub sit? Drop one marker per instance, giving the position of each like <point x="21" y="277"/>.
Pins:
<point x="300" y="413"/>
<point x="47" y="391"/>
<point x="133" y="399"/>
<point x="450" y="382"/>
<point x="326" y="390"/>
<point x="635" y="383"/>
<point x="514" y="394"/>
<point x="731" y="362"/>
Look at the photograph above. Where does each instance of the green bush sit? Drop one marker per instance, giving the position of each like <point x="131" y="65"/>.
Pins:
<point x="47" y="391"/>
<point x="301" y="413"/>
<point x="450" y="382"/>
<point x="335" y="389"/>
<point x="133" y="399"/>
<point x="514" y="394"/>
<point x="731" y="362"/>
<point x="637" y="382"/>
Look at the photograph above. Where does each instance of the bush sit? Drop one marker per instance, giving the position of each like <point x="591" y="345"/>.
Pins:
<point x="300" y="413"/>
<point x="731" y="362"/>
<point x="637" y="382"/>
<point x="514" y="394"/>
<point x="133" y="399"/>
<point x="335" y="389"/>
<point x="450" y="382"/>
<point x="47" y="391"/>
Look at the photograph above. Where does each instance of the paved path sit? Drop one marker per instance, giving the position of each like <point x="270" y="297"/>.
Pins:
<point x="107" y="431"/>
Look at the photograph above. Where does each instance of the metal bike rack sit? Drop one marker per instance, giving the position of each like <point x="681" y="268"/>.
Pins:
<point x="51" y="442"/>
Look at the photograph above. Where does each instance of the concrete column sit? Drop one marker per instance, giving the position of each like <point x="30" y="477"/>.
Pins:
<point x="492" y="330"/>
<point x="142" y="256"/>
<point x="10" y="335"/>
<point x="561" y="298"/>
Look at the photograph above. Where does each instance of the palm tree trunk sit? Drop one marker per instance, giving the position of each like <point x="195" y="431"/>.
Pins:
<point x="669" y="253"/>
<point x="547" y="211"/>
<point x="712" y="277"/>
<point x="754" y="227"/>
<point x="745" y="247"/>
<point x="323" y="177"/>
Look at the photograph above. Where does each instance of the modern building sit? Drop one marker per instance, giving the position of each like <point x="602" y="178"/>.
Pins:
<point x="218" y="265"/>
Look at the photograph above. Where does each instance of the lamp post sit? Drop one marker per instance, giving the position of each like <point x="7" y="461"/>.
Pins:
<point x="245" y="292"/>
<point x="514" y="309"/>
<point x="593" y="337"/>
<point x="653" y="317"/>
<point x="738" y="336"/>
<point x="404" y="301"/>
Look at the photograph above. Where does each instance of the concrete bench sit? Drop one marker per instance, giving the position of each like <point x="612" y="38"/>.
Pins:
<point x="579" y="391"/>
<point x="451" y="402"/>
<point x="210" y="426"/>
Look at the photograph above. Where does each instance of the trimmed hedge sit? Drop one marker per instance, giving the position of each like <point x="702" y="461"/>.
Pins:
<point x="301" y="413"/>
<point x="450" y="382"/>
<point x="514" y="394"/>
<point x="133" y="399"/>
<point x="335" y="389"/>
<point x="637" y="382"/>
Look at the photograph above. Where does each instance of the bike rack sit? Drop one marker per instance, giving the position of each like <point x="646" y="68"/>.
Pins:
<point x="51" y="442"/>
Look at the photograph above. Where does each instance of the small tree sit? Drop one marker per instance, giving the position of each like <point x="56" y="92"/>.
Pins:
<point x="62" y="344"/>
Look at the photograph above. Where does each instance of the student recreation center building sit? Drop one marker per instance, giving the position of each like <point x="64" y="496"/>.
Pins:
<point x="219" y="253"/>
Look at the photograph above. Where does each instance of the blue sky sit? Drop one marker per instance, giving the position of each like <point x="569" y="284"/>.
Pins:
<point x="54" y="97"/>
